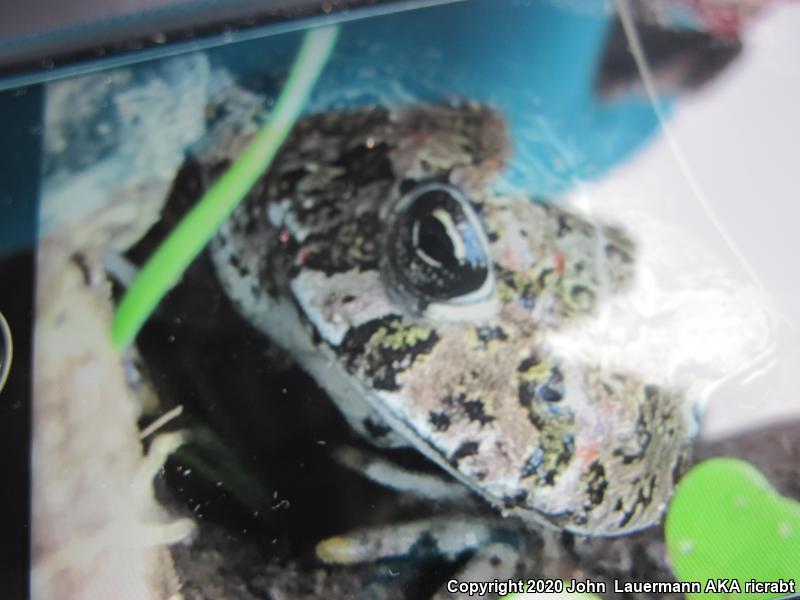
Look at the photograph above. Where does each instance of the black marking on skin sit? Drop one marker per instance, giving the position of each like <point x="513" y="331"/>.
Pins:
<point x="407" y="185"/>
<point x="487" y="334"/>
<point x="526" y="393"/>
<point x="582" y="297"/>
<point x="549" y="458"/>
<point x="348" y="245"/>
<point x="677" y="469"/>
<point x="648" y="413"/>
<point x="519" y="499"/>
<point x="568" y="543"/>
<point x="526" y="294"/>
<point x="567" y="449"/>
<point x="542" y="280"/>
<point x="643" y="439"/>
<point x="568" y="223"/>
<point x="279" y="261"/>
<point x="614" y="252"/>
<point x="475" y="410"/>
<point x="363" y="165"/>
<point x="580" y="519"/>
<point x="495" y="561"/>
<point x="468" y="448"/>
<point x="596" y="485"/>
<point x="355" y="341"/>
<point x="551" y="390"/>
<point x="308" y="324"/>
<point x="651" y="393"/>
<point x="528" y="362"/>
<point x="564" y="225"/>
<point x="251" y="225"/>
<point x="642" y="500"/>
<point x="247" y="220"/>
<point x="478" y="209"/>
<point x="380" y="364"/>
<point x="425" y="546"/>
<point x="316" y="338"/>
<point x="439" y="420"/>
<point x="289" y="179"/>
<point x="376" y="430"/>
<point x="236" y="263"/>
<point x="317" y="209"/>
<point x="79" y="260"/>
<point x="533" y="463"/>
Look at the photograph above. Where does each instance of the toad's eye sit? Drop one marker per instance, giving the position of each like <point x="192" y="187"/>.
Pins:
<point x="436" y="251"/>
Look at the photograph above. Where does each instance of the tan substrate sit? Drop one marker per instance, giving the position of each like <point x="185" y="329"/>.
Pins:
<point x="97" y="529"/>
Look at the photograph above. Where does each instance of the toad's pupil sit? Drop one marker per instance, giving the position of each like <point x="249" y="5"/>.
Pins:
<point x="433" y="240"/>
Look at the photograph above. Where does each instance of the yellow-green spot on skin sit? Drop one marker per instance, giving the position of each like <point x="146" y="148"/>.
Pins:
<point x="551" y="280"/>
<point x="505" y="292"/>
<point x="511" y="292"/>
<point x="735" y="525"/>
<point x="537" y="372"/>
<point x="397" y="338"/>
<point x="473" y="340"/>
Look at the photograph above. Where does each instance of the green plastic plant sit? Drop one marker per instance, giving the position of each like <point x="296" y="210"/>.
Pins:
<point x="726" y="521"/>
<point x="171" y="259"/>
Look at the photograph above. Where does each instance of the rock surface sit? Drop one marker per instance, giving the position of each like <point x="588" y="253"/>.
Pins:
<point x="113" y="142"/>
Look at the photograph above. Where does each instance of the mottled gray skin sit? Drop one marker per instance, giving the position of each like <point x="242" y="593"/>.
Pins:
<point x="478" y="392"/>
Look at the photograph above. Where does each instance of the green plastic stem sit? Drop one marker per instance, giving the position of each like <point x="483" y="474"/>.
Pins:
<point x="170" y="260"/>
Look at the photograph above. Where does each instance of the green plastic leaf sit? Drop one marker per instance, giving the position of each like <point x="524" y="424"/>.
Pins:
<point x="727" y="522"/>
